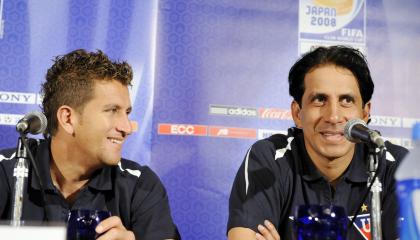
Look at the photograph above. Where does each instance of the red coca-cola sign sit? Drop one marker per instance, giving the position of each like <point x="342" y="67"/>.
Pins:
<point x="274" y="113"/>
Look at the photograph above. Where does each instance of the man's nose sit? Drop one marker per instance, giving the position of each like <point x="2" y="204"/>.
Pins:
<point x="124" y="125"/>
<point x="333" y="113"/>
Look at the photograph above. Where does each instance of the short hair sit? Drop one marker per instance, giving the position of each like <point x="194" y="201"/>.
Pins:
<point x="71" y="78"/>
<point x="342" y="56"/>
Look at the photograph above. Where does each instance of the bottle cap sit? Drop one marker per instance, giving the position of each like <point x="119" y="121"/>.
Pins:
<point x="416" y="131"/>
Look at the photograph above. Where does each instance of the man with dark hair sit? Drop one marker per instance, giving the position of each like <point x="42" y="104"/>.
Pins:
<point x="86" y="101"/>
<point x="314" y="163"/>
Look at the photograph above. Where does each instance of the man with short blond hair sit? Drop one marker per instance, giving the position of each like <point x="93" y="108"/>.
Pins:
<point x="86" y="101"/>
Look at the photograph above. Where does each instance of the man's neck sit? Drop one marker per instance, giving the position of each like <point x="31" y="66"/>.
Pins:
<point x="331" y="168"/>
<point x="69" y="172"/>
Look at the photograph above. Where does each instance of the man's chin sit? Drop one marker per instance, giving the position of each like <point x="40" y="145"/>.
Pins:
<point x="111" y="161"/>
<point x="334" y="154"/>
<point x="335" y="151"/>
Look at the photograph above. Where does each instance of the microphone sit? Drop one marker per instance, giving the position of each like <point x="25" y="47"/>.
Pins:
<point x="356" y="131"/>
<point x="33" y="123"/>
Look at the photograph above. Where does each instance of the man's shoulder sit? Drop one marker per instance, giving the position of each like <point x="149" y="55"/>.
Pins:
<point x="137" y="178"/>
<point x="126" y="163"/>
<point x="277" y="144"/>
<point x="135" y="171"/>
<point x="394" y="153"/>
<point x="129" y="167"/>
<point x="277" y="141"/>
<point x="7" y="154"/>
<point x="7" y="160"/>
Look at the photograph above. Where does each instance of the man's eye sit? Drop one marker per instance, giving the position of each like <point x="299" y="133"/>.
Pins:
<point x="112" y="110"/>
<point x="318" y="100"/>
<point x="347" y="100"/>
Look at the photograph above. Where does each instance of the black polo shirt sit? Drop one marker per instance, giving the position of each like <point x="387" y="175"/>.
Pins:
<point x="128" y="190"/>
<point x="277" y="175"/>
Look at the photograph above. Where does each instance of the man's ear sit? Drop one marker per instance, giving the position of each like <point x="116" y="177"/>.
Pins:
<point x="366" y="111"/>
<point x="66" y="118"/>
<point x="295" y="108"/>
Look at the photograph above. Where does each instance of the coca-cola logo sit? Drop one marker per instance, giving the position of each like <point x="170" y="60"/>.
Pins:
<point x="275" y="113"/>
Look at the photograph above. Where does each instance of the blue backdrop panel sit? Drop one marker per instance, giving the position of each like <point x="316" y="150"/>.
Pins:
<point x="223" y="63"/>
<point x="37" y="31"/>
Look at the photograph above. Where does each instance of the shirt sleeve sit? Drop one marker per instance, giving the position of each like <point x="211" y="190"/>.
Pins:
<point x="6" y="170"/>
<point x="259" y="191"/>
<point x="4" y="189"/>
<point x="390" y="204"/>
<point x="390" y="213"/>
<point x="151" y="213"/>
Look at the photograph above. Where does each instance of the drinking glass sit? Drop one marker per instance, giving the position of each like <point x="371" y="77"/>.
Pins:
<point x="316" y="222"/>
<point x="81" y="223"/>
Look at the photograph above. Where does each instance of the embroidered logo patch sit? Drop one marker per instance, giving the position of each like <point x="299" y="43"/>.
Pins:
<point x="362" y="224"/>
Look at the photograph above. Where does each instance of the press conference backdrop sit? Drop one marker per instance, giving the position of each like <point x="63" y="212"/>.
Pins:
<point x="210" y="77"/>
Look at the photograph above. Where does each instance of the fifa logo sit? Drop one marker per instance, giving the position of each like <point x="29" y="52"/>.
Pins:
<point x="1" y="19"/>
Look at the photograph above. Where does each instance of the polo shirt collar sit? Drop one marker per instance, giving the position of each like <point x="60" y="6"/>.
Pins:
<point x="100" y="180"/>
<point x="42" y="160"/>
<point x="356" y="172"/>
<point x="358" y="168"/>
<point x="307" y="167"/>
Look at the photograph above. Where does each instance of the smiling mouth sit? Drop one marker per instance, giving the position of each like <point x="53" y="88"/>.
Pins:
<point x="333" y="136"/>
<point x="116" y="140"/>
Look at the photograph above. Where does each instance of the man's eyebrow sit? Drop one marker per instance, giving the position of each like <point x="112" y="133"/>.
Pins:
<point x="317" y="94"/>
<point x="347" y="95"/>
<point x="112" y="106"/>
<point x="129" y="109"/>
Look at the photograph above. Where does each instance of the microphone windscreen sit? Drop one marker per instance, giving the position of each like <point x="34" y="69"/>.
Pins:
<point x="38" y="122"/>
<point x="349" y="126"/>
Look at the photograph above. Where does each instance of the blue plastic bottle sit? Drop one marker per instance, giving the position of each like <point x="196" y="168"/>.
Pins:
<point x="408" y="189"/>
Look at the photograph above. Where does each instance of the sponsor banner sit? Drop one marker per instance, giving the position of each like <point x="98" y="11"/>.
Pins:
<point x="267" y="113"/>
<point x="327" y="22"/>
<point x="182" y="129"/>
<point x="10" y="119"/>
<point x="385" y="121"/>
<point x="404" y="142"/>
<point x="134" y="126"/>
<point x="232" y="132"/>
<point x="393" y="140"/>
<point x="409" y="122"/>
<point x="233" y="111"/>
<point x="39" y="99"/>
<point x="407" y="143"/>
<point x="263" y="113"/>
<point x="265" y="133"/>
<point x="17" y="97"/>
<point x="274" y="113"/>
<point x="308" y="45"/>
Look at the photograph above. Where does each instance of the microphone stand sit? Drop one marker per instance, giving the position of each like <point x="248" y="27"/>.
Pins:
<point x="20" y="174"/>
<point x="376" y="189"/>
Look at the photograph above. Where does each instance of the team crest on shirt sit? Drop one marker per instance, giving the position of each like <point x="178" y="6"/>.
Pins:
<point x="362" y="224"/>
